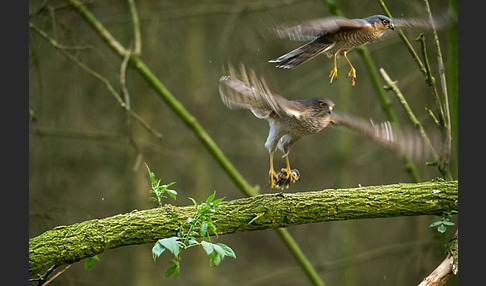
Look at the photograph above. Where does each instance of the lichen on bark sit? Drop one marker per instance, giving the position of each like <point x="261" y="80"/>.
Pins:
<point x="68" y="244"/>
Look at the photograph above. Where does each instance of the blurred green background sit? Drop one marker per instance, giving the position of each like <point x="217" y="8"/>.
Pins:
<point x="83" y="165"/>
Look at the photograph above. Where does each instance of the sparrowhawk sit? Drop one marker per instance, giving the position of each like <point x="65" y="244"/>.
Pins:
<point x="336" y="36"/>
<point x="289" y="120"/>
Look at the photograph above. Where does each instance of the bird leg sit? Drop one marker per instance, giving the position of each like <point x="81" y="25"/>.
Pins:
<point x="352" y="72"/>
<point x="290" y="175"/>
<point x="333" y="73"/>
<point x="272" y="175"/>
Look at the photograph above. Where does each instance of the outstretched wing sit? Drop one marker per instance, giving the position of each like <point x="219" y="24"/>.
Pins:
<point x="250" y="92"/>
<point x="316" y="28"/>
<point x="406" y="142"/>
<point x="439" y="22"/>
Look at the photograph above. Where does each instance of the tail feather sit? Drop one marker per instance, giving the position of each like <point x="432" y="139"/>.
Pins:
<point x="302" y="54"/>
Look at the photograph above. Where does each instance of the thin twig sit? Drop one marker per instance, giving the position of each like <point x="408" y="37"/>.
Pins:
<point x="126" y="97"/>
<point x="443" y="83"/>
<point x="405" y="41"/>
<point x="105" y="35"/>
<point x="430" y="80"/>
<point x="108" y="85"/>
<point x="136" y="28"/>
<point x="57" y="274"/>
<point x="393" y="85"/>
<point x="385" y="102"/>
<point x="443" y="118"/>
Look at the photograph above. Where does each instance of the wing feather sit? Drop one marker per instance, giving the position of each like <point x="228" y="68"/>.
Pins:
<point x="316" y="28"/>
<point x="251" y="92"/>
<point x="405" y="142"/>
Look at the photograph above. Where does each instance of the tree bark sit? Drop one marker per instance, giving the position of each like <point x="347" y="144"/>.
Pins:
<point x="448" y="267"/>
<point x="68" y="244"/>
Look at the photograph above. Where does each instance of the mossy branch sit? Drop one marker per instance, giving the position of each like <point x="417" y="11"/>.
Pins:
<point x="69" y="244"/>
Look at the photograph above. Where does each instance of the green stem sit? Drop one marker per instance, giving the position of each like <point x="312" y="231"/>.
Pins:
<point x="445" y="156"/>
<point x="194" y="125"/>
<point x="136" y="28"/>
<point x="393" y="85"/>
<point x="405" y="41"/>
<point x="452" y="80"/>
<point x="444" y="117"/>
<point x="387" y="107"/>
<point x="188" y="119"/>
<point x="300" y="256"/>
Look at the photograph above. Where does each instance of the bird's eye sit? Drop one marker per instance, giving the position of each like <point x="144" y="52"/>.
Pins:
<point x="322" y="104"/>
<point x="385" y="22"/>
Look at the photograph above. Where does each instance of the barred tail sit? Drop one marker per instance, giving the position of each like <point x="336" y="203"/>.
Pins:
<point x="302" y="54"/>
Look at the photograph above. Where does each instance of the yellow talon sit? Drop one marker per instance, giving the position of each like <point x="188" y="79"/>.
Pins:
<point x="273" y="177"/>
<point x="352" y="72"/>
<point x="290" y="175"/>
<point x="271" y="174"/>
<point x="333" y="75"/>
<point x="352" y="75"/>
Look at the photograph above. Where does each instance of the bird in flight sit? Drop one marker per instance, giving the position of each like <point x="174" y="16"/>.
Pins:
<point x="289" y="120"/>
<point x="336" y="36"/>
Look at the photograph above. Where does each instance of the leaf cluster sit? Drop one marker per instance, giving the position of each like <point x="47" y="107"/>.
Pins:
<point x="444" y="221"/>
<point x="199" y="225"/>
<point x="159" y="190"/>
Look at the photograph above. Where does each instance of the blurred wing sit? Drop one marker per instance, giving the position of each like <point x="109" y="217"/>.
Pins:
<point x="406" y="143"/>
<point x="313" y="29"/>
<point x="442" y="21"/>
<point x="252" y="93"/>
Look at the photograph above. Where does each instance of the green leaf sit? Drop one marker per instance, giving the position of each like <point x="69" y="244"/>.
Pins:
<point x="448" y="223"/>
<point x="442" y="228"/>
<point x="218" y="201"/>
<point x="192" y="242"/>
<point x="169" y="184"/>
<point x="171" y="243"/>
<point x="173" y="270"/>
<point x="211" y="197"/>
<point x="218" y="249"/>
<point x="207" y="246"/>
<point x="189" y="220"/>
<point x="215" y="259"/>
<point x="435" y="224"/>
<point x="88" y="262"/>
<point x="172" y="194"/>
<point x="212" y="227"/>
<point x="204" y="229"/>
<point x="194" y="202"/>
<point x="157" y="250"/>
<point x="152" y="175"/>
<point x="218" y="256"/>
<point x="227" y="250"/>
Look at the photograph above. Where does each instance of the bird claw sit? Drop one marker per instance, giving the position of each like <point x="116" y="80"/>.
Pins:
<point x="333" y="74"/>
<point x="352" y="75"/>
<point x="285" y="178"/>
<point x="273" y="177"/>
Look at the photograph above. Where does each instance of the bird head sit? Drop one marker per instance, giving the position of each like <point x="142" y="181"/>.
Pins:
<point x="320" y="105"/>
<point x="380" y="21"/>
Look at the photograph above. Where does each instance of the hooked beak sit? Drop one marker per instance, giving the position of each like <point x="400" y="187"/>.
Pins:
<point x="391" y="26"/>
<point x="330" y="109"/>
